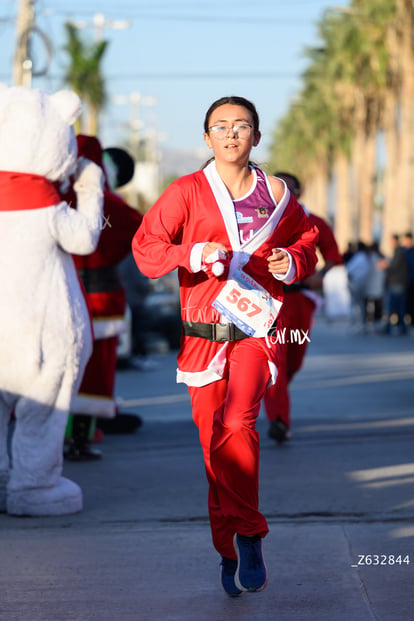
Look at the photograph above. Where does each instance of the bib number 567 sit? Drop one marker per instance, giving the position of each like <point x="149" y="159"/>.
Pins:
<point x="244" y="305"/>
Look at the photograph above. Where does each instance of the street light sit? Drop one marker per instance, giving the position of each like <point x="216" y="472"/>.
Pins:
<point x="136" y="101"/>
<point x="99" y="23"/>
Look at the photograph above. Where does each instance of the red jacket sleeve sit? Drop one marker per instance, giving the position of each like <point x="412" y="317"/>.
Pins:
<point x="327" y="243"/>
<point x="303" y="249"/>
<point x="157" y="245"/>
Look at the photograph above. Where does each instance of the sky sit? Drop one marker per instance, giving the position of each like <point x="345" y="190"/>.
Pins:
<point x="173" y="59"/>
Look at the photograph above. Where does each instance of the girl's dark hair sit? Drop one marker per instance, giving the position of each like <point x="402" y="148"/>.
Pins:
<point x="234" y="101"/>
<point x="291" y="181"/>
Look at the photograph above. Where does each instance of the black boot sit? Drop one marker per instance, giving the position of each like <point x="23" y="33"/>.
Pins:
<point x="121" y="423"/>
<point x="79" y="448"/>
<point x="279" y="431"/>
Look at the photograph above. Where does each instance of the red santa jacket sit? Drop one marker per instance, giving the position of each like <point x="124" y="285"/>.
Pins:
<point x="198" y="208"/>
<point x="98" y="271"/>
<point x="329" y="251"/>
<point x="326" y="242"/>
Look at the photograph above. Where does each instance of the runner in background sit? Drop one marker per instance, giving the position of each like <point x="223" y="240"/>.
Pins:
<point x="292" y="334"/>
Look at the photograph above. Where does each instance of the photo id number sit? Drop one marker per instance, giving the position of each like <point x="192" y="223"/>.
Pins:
<point x="382" y="559"/>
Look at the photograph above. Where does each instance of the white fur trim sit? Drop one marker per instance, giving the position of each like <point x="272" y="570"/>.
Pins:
<point x="105" y="328"/>
<point x="103" y="407"/>
<point x="213" y="373"/>
<point x="273" y="373"/>
<point x="198" y="378"/>
<point x="196" y="256"/>
<point x="291" y="272"/>
<point x="224" y="203"/>
<point x="226" y="207"/>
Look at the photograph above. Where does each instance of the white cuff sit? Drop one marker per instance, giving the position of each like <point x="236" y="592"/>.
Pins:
<point x="196" y="257"/>
<point x="291" y="273"/>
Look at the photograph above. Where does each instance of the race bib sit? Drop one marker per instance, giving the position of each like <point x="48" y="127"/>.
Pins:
<point x="248" y="305"/>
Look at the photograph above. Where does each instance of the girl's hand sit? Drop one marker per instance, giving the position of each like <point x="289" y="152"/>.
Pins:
<point x="278" y="262"/>
<point x="215" y="260"/>
<point x="210" y="248"/>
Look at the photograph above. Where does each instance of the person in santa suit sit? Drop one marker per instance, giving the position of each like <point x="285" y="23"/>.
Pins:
<point x="105" y="296"/>
<point x="292" y="334"/>
<point x="235" y="236"/>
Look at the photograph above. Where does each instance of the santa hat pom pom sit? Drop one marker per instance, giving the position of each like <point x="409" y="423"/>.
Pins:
<point x="218" y="269"/>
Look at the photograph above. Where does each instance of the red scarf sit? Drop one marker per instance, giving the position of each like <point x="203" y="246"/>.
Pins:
<point x="21" y="191"/>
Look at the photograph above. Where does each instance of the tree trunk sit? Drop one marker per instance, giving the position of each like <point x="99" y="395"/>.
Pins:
<point x="358" y="163"/>
<point x="315" y="194"/>
<point x="92" y="120"/>
<point x="391" y="187"/>
<point x="404" y="218"/>
<point x="344" y="206"/>
<point x="367" y="187"/>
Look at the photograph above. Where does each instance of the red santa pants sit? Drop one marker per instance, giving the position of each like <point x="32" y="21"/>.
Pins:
<point x="297" y="316"/>
<point x="225" y="413"/>
<point x="98" y="380"/>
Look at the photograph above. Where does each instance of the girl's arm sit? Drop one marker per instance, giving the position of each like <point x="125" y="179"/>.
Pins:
<point x="157" y="246"/>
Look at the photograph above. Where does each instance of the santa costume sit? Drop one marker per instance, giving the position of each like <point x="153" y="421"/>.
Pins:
<point x="105" y="296"/>
<point x="225" y="370"/>
<point x="292" y="334"/>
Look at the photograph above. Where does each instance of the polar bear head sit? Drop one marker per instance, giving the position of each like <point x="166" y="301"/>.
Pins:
<point x="36" y="132"/>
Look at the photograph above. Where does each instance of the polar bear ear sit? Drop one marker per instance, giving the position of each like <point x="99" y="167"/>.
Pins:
<point x="68" y="104"/>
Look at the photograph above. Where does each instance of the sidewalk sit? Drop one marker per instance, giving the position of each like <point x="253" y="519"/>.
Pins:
<point x="340" y="494"/>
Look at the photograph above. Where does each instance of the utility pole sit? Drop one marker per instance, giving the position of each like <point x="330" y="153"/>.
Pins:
<point x="22" y="66"/>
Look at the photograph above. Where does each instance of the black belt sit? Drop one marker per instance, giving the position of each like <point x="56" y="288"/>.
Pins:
<point x="296" y="286"/>
<point x="100" y="279"/>
<point x="213" y="331"/>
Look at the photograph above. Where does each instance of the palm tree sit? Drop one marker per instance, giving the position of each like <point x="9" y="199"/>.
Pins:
<point x="348" y="82"/>
<point x="364" y="61"/>
<point x="338" y="97"/>
<point x="405" y="30"/>
<point x="84" y="76"/>
<point x="302" y="142"/>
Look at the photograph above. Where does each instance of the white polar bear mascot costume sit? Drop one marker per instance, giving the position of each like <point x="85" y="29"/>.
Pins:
<point x="45" y="331"/>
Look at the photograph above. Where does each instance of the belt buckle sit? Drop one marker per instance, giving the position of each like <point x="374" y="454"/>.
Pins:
<point x="223" y="332"/>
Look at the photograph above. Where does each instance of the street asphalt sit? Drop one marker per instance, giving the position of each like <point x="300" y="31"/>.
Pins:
<point x="339" y="499"/>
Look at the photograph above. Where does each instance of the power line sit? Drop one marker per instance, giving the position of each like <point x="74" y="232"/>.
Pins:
<point x="211" y="75"/>
<point x="207" y="7"/>
<point x="182" y="6"/>
<point x="223" y="19"/>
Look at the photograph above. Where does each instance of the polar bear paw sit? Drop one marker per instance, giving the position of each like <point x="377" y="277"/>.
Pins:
<point x="89" y="177"/>
<point x="62" y="499"/>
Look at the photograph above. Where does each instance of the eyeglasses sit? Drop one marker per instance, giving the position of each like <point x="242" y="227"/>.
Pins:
<point x="240" y="131"/>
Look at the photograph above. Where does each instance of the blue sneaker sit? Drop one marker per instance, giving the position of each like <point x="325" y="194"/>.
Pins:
<point x="251" y="572"/>
<point x="228" y="568"/>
